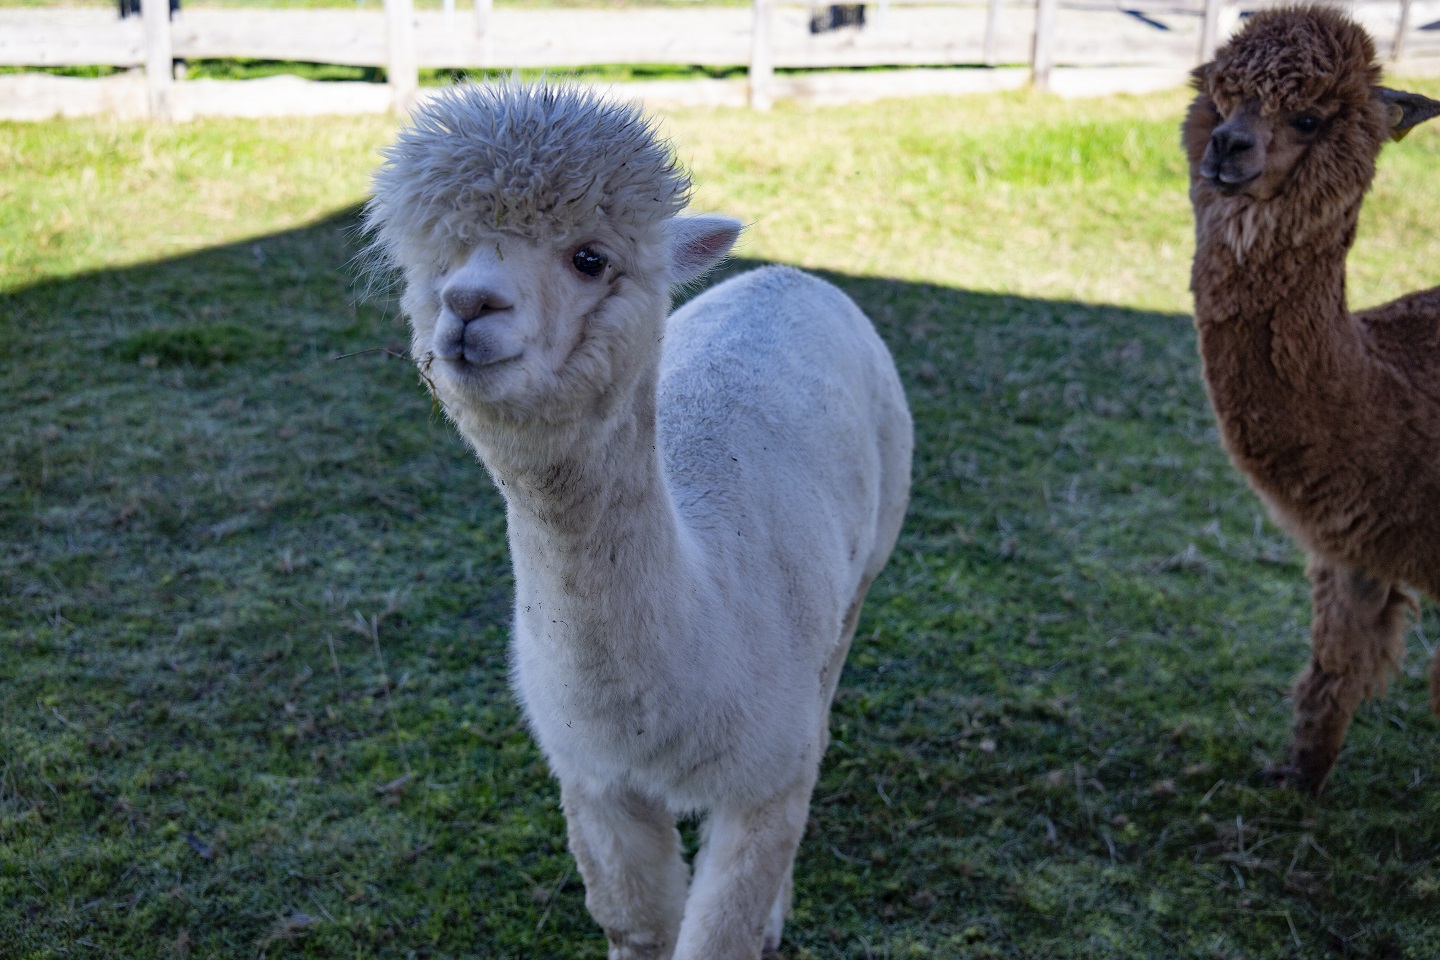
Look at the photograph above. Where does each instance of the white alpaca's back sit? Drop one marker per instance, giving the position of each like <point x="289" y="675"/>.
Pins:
<point x="782" y="419"/>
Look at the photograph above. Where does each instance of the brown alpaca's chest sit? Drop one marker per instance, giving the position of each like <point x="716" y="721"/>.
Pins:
<point x="1349" y="481"/>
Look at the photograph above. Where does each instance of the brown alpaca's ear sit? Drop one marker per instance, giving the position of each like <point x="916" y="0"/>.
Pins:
<point x="1200" y="75"/>
<point x="1406" y="110"/>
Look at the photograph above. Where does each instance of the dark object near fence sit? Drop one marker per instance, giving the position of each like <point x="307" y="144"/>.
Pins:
<point x="834" y="17"/>
<point x="131" y="8"/>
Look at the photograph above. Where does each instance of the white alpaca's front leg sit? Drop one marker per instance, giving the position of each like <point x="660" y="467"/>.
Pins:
<point x="628" y="852"/>
<point x="741" y="891"/>
<point x="779" y="913"/>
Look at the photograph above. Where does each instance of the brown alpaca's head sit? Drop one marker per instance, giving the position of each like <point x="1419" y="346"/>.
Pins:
<point x="1291" y="110"/>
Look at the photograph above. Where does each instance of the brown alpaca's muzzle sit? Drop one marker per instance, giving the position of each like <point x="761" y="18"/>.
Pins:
<point x="1235" y="156"/>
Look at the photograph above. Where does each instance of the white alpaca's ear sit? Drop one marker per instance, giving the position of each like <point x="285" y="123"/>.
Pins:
<point x="698" y="243"/>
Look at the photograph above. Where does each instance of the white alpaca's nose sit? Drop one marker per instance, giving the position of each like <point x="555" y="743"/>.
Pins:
<point x="473" y="302"/>
<point x="468" y="326"/>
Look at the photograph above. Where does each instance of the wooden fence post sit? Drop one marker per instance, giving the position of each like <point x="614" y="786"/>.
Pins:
<point x="402" y="66"/>
<point x="1210" y="30"/>
<point x="1397" y="50"/>
<point x="762" y="68"/>
<point x="992" y="30"/>
<point x="1042" y="54"/>
<point x="159" y="59"/>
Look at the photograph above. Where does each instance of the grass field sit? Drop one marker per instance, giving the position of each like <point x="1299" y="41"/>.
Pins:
<point x="253" y="598"/>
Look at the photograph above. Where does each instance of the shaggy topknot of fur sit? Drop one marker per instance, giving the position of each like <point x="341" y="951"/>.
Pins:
<point x="537" y="160"/>
<point x="1292" y="57"/>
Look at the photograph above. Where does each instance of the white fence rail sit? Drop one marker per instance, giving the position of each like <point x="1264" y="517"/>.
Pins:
<point x="1077" y="46"/>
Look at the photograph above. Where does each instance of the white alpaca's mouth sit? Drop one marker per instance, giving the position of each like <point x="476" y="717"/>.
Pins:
<point x="480" y="363"/>
<point x="471" y="346"/>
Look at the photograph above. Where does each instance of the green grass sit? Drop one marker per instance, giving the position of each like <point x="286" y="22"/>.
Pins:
<point x="253" y="598"/>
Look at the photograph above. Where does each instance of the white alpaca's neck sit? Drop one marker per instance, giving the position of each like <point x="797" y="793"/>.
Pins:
<point x="595" y="539"/>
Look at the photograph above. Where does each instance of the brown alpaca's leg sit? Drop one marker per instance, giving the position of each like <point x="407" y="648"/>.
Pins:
<point x="1435" y="684"/>
<point x="1356" y="641"/>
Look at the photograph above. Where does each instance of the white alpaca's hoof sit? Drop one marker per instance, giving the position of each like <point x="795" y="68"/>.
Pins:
<point x="637" y="946"/>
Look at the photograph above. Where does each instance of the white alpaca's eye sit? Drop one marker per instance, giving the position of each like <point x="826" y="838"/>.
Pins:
<point x="589" y="261"/>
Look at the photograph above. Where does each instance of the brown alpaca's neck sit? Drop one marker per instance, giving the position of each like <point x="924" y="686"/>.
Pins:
<point x="1279" y="346"/>
<point x="1270" y="301"/>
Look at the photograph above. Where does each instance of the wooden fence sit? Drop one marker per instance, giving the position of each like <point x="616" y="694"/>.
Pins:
<point x="1072" y="46"/>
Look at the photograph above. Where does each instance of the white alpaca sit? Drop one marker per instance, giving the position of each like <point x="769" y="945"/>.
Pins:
<point x="696" y="505"/>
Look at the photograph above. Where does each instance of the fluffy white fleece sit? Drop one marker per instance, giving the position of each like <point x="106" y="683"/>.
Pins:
<point x="533" y="161"/>
<point x="696" y="505"/>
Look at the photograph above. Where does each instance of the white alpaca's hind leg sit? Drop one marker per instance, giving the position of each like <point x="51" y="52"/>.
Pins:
<point x="628" y="852"/>
<point x="738" y="897"/>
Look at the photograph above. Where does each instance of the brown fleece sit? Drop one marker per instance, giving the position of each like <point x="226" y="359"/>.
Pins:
<point x="1333" y="416"/>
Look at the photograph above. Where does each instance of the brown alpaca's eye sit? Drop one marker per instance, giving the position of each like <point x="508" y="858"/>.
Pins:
<point x="590" y="262"/>
<point x="1306" y="123"/>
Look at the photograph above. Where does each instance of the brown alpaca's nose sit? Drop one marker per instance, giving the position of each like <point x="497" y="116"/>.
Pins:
<point x="471" y="303"/>
<point x="1228" y="142"/>
<point x="1231" y="158"/>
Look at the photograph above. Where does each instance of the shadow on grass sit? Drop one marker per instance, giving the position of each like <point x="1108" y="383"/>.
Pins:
<point x="253" y="612"/>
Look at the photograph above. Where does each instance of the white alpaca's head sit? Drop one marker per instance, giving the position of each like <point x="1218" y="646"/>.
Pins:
<point x="538" y="231"/>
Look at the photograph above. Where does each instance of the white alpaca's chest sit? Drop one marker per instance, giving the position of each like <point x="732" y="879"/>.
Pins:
<point x="691" y="736"/>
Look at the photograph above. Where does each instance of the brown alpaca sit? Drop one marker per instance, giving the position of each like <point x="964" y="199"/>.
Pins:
<point x="1333" y="416"/>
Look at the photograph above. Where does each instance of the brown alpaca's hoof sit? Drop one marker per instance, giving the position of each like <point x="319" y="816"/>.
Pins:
<point x="1278" y="775"/>
<point x="1287" y="776"/>
<point x="1305" y="770"/>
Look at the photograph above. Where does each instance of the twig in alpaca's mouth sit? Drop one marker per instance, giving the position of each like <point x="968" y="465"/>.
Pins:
<point x="423" y="366"/>
<point x="360" y="353"/>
